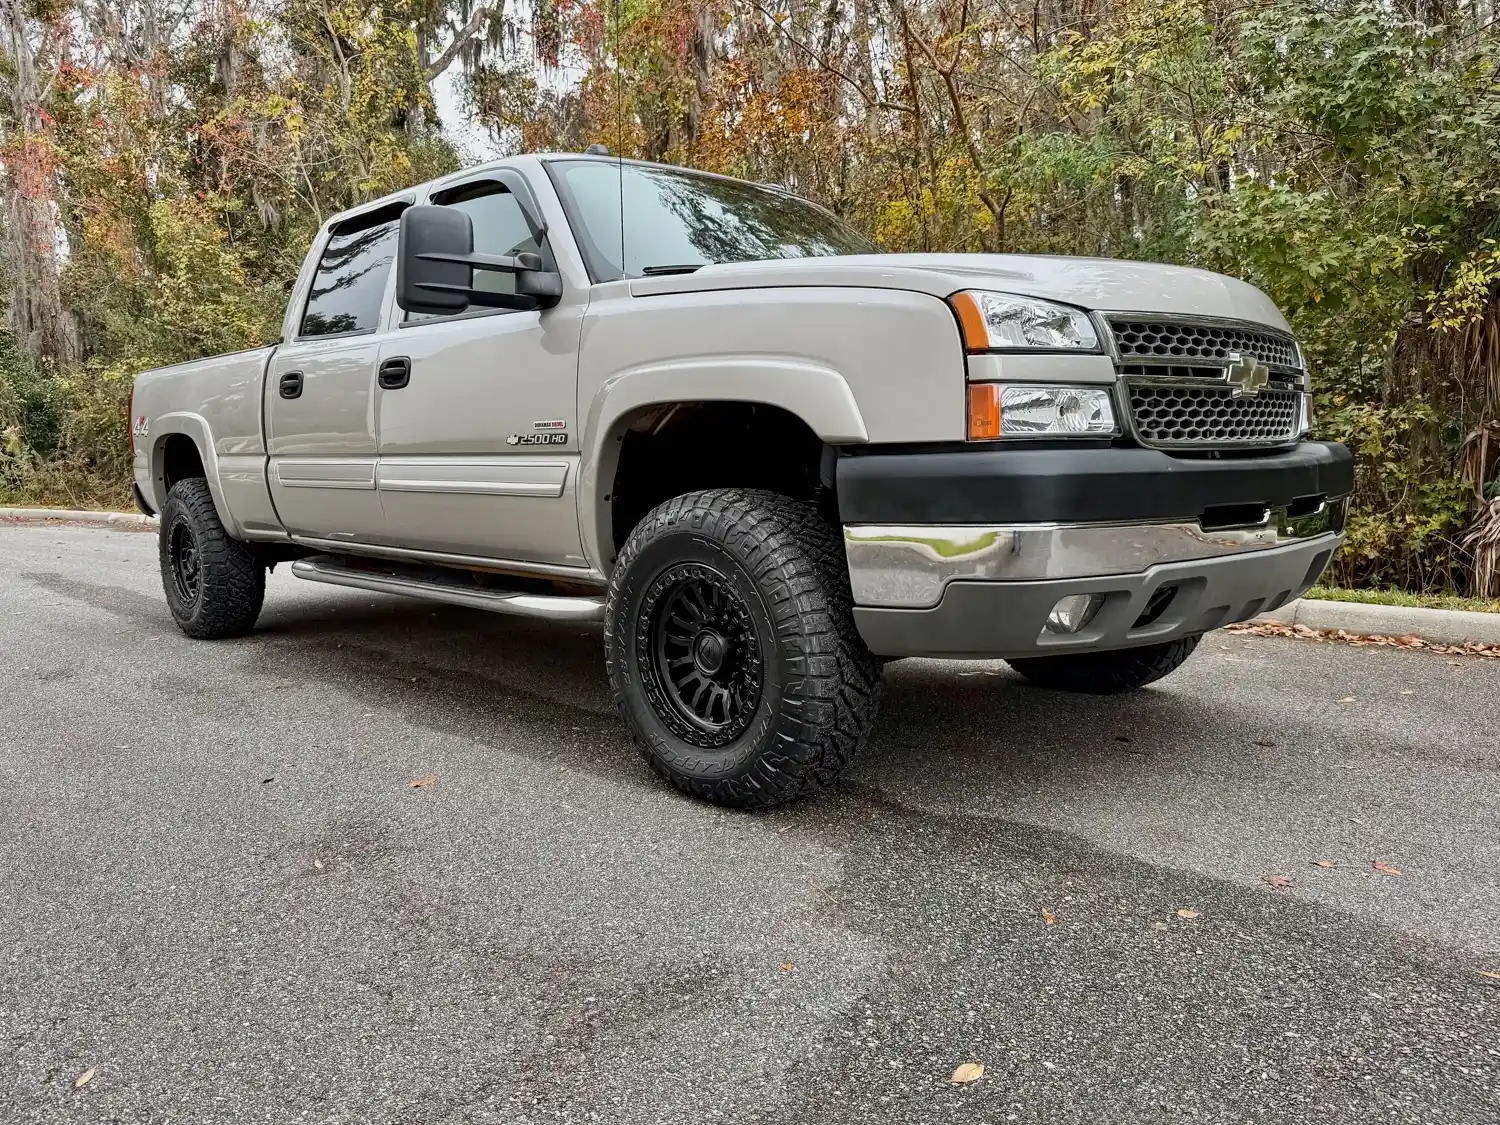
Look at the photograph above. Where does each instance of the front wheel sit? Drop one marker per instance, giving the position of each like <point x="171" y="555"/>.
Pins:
<point x="732" y="651"/>
<point x="1105" y="673"/>
<point x="214" y="583"/>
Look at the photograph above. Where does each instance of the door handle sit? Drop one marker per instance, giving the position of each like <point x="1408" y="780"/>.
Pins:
<point x="395" y="373"/>
<point x="291" y="384"/>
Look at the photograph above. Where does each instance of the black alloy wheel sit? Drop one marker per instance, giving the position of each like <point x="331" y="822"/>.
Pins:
<point x="187" y="570"/>
<point x="700" y="647"/>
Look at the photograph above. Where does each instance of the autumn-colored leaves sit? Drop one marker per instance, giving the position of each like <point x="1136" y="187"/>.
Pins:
<point x="1307" y="633"/>
<point x="1287" y="882"/>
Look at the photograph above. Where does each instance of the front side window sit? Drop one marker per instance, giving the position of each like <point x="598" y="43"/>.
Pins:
<point x="633" y="220"/>
<point x="349" y="286"/>
<point x="500" y="227"/>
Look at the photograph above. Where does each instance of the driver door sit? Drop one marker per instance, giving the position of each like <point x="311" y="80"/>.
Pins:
<point x="477" y="410"/>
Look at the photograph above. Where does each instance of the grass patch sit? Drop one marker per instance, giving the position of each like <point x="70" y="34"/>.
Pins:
<point x="1402" y="598"/>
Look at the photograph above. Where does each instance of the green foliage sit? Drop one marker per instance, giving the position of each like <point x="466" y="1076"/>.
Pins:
<point x="31" y="407"/>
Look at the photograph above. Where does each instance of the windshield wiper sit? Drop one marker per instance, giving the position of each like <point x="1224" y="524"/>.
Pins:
<point x="658" y="271"/>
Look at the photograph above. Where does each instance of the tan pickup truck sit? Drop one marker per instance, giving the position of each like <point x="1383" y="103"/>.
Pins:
<point x="765" y="455"/>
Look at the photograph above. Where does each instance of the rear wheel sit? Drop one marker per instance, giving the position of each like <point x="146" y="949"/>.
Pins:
<point x="214" y="583"/>
<point x="732" y="651"/>
<point x="1105" y="673"/>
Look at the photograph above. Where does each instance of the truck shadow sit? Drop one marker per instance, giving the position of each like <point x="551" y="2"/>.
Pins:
<point x="944" y="727"/>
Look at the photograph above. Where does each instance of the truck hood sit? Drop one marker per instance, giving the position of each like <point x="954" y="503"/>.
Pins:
<point x="1101" y="284"/>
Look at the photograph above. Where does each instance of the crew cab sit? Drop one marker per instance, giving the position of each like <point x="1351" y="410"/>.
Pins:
<point x="766" y="456"/>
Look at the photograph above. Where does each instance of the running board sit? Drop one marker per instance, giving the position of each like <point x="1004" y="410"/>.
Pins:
<point x="457" y="589"/>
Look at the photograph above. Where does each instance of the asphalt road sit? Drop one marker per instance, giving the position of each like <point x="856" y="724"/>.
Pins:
<point x="220" y="894"/>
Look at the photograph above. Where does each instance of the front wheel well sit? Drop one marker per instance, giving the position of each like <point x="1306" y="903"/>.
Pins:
<point x="675" y="448"/>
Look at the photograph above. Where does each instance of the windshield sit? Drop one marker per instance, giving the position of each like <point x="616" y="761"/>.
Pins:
<point x="677" y="218"/>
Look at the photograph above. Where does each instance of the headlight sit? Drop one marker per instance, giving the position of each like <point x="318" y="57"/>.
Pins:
<point x="999" y="410"/>
<point x="1304" y="415"/>
<point x="1000" y="320"/>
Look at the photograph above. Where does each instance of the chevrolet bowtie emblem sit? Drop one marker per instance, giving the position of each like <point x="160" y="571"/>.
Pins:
<point x="1246" y="376"/>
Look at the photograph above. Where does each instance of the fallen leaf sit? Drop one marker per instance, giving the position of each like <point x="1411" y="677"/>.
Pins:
<point x="966" y="1073"/>
<point x="1187" y="914"/>
<point x="1386" y="868"/>
<point x="787" y="966"/>
<point x="317" y="865"/>
<point x="1487" y="973"/>
<point x="1051" y="919"/>
<point x="88" y="1076"/>
<point x="1277" y="629"/>
<point x="1322" y="863"/>
<point x="1280" y="882"/>
<point x="1347" y="699"/>
<point x="422" y="782"/>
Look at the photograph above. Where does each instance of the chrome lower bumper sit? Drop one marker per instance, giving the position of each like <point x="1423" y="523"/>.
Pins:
<point x="911" y="567"/>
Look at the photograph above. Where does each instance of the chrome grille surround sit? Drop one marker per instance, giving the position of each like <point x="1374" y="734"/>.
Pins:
<point x="1176" y="389"/>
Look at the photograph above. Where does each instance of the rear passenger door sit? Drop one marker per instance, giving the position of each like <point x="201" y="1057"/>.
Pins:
<point x="478" y="443"/>
<point x="320" y="389"/>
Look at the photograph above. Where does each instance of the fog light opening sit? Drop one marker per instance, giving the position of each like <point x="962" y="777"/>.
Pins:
<point x="1073" y="612"/>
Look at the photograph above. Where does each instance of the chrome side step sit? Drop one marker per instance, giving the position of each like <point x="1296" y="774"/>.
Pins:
<point x="435" y="586"/>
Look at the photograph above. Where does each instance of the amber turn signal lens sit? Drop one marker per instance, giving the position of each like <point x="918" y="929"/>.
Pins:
<point x="984" y="411"/>
<point x="971" y="321"/>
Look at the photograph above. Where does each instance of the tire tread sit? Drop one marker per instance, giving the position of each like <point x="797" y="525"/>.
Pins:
<point x="1107" y="673"/>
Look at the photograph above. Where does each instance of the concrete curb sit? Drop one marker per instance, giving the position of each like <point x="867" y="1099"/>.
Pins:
<point x="1440" y="626"/>
<point x="73" y="515"/>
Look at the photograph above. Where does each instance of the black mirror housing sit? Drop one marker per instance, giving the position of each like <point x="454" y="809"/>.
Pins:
<point x="435" y="264"/>
<point x="425" y="285"/>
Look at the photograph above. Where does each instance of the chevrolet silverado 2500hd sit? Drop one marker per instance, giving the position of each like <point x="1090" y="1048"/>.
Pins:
<point x="765" y="455"/>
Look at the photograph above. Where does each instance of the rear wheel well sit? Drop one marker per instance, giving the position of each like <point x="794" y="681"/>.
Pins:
<point x="180" y="460"/>
<point x="675" y="448"/>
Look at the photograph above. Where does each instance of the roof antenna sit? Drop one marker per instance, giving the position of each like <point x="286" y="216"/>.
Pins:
<point x="620" y="134"/>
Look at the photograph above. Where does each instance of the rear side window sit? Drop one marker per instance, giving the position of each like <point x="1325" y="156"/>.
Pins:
<point x="350" y="283"/>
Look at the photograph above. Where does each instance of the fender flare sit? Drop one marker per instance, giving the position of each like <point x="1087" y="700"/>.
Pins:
<point x="195" y="427"/>
<point x="813" y="392"/>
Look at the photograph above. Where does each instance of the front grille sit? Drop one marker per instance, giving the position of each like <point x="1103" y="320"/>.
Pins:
<point x="1165" y="341"/>
<point x="1207" y="417"/>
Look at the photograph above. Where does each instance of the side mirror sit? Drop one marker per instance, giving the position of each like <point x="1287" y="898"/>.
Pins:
<point x="435" y="264"/>
<point x="433" y="285"/>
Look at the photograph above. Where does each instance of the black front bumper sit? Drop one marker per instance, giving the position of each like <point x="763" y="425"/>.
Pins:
<point x="1093" y="485"/>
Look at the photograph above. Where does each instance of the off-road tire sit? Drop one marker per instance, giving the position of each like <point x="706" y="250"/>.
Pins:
<point x="819" y="684"/>
<point x="231" y="581"/>
<point x="1105" y="673"/>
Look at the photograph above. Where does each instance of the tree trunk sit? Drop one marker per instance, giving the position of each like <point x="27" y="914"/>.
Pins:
<point x="30" y="182"/>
